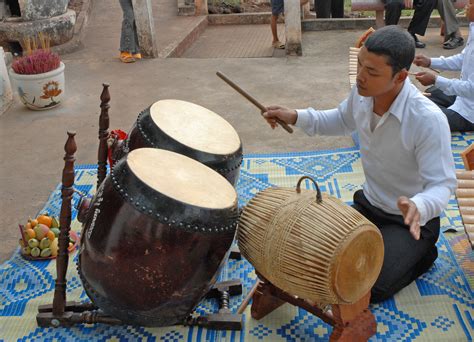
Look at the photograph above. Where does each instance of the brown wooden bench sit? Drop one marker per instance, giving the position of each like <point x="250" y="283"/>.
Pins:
<point x="378" y="7"/>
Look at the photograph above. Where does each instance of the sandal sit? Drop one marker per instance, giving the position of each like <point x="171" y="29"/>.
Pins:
<point x="137" y="55"/>
<point x="278" y="45"/>
<point x="126" y="57"/>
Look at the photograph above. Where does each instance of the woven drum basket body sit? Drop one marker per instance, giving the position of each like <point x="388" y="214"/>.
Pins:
<point x="324" y="251"/>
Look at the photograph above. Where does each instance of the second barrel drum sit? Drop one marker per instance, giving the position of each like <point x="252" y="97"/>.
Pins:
<point x="188" y="129"/>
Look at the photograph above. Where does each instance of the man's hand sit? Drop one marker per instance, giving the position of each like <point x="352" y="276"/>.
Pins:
<point x="287" y="115"/>
<point x="408" y="4"/>
<point x="411" y="215"/>
<point x="425" y="78"/>
<point x="422" y="60"/>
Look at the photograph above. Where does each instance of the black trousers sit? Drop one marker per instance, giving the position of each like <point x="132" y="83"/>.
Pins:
<point x="329" y="8"/>
<point x="457" y="123"/>
<point x="421" y="17"/>
<point x="405" y="258"/>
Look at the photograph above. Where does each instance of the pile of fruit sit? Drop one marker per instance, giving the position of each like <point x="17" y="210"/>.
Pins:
<point x="40" y="237"/>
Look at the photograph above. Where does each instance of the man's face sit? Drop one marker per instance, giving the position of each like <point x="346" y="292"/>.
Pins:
<point x="470" y="10"/>
<point x="374" y="75"/>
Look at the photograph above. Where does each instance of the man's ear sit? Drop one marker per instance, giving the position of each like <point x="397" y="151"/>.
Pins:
<point x="401" y="76"/>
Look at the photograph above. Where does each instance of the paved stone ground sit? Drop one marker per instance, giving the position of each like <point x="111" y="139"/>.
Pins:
<point x="31" y="144"/>
<point x="235" y="41"/>
<point x="103" y="32"/>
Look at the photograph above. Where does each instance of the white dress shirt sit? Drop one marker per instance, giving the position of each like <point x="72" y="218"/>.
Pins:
<point x="407" y="154"/>
<point x="463" y="88"/>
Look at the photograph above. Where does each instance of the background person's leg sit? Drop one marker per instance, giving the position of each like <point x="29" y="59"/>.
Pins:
<point x="322" y="8"/>
<point x="393" y="11"/>
<point x="457" y="123"/>
<point x="421" y="17"/>
<point x="277" y="9"/>
<point x="452" y="35"/>
<point x="128" y="38"/>
<point x="273" y="26"/>
<point x="337" y="8"/>
<point x="439" y="97"/>
<point x="447" y="13"/>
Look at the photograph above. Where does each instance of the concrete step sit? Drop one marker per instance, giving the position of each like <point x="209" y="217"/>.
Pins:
<point x="185" y="38"/>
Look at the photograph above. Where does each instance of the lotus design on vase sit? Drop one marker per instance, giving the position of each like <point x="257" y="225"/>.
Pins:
<point x="51" y="90"/>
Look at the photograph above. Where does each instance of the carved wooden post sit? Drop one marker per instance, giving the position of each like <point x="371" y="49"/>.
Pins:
<point x="103" y="134"/>
<point x="67" y="191"/>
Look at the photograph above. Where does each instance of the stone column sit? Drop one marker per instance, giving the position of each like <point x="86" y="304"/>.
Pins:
<point x="3" y="5"/>
<point x="6" y="95"/>
<point x="201" y="7"/>
<point x="145" y="28"/>
<point x="293" y="27"/>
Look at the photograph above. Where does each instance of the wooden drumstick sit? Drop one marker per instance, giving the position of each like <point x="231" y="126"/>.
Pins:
<point x="432" y="69"/>
<point x="436" y="71"/>
<point x="251" y="99"/>
<point x="249" y="296"/>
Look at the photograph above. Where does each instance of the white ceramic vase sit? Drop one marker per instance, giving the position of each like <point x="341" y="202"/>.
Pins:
<point x="40" y="91"/>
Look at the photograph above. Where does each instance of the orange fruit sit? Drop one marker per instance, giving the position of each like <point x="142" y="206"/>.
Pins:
<point x="50" y="235"/>
<point x="30" y="234"/>
<point x="28" y="226"/>
<point x="45" y="219"/>
<point x="33" y="223"/>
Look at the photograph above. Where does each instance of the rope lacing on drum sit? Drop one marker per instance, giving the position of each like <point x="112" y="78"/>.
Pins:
<point x="290" y="211"/>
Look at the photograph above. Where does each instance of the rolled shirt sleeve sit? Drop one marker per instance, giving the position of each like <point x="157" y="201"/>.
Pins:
<point x="337" y="121"/>
<point x="448" y="63"/>
<point x="455" y="86"/>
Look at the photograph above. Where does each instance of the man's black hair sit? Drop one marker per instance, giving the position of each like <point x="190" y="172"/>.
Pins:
<point x="396" y="44"/>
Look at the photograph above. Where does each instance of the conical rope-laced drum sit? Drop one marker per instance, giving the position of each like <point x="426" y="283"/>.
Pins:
<point x="311" y="245"/>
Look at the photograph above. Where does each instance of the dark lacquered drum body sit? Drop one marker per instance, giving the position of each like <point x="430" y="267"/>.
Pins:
<point x="156" y="234"/>
<point x="191" y="130"/>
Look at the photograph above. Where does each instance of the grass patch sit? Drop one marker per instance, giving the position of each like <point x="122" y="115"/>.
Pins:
<point x="405" y="13"/>
<point x="224" y="2"/>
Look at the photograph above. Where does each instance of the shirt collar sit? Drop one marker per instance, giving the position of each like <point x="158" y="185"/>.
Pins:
<point x="397" y="108"/>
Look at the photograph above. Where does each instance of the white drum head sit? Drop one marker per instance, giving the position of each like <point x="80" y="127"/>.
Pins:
<point x="181" y="178"/>
<point x="195" y="126"/>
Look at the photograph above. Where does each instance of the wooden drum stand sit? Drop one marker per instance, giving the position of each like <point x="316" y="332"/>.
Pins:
<point x="351" y="322"/>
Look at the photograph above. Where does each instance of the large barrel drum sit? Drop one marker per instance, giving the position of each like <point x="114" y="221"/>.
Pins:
<point x="189" y="129"/>
<point x="155" y="236"/>
<point x="311" y="245"/>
